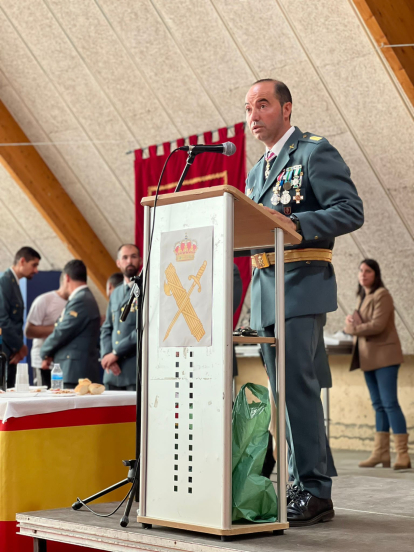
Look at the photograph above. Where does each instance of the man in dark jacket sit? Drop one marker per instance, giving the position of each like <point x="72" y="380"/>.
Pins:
<point x="25" y="265"/>
<point x="73" y="343"/>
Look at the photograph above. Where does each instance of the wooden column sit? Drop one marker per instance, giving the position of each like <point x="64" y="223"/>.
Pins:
<point x="38" y="182"/>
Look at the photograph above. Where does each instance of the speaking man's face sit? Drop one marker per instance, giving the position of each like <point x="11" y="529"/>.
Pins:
<point x="267" y="119"/>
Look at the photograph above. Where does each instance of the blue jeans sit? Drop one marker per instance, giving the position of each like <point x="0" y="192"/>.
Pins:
<point x="382" y="386"/>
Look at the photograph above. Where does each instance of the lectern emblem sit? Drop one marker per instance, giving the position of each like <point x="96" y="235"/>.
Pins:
<point x="185" y="288"/>
<point x="182" y="298"/>
<point x="185" y="250"/>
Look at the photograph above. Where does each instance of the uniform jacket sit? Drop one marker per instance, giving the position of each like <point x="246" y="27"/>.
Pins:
<point x="330" y="207"/>
<point x="73" y="343"/>
<point x="376" y="342"/>
<point x="11" y="313"/>
<point x="120" y="338"/>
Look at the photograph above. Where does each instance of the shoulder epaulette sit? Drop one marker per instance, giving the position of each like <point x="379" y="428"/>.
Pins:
<point x="309" y="137"/>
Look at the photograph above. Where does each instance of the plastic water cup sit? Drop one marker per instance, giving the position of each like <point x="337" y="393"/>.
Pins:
<point x="22" y="378"/>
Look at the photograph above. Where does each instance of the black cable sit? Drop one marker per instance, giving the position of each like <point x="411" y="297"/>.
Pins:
<point x="141" y="333"/>
<point x="145" y="280"/>
<point x="104" y="515"/>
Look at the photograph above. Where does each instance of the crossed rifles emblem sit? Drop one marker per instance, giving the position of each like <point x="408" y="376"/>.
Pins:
<point x="182" y="298"/>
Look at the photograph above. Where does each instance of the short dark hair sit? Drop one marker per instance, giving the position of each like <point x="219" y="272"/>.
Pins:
<point x="27" y="253"/>
<point x="116" y="279"/>
<point x="282" y="92"/>
<point x="76" y="270"/>
<point x="125" y="245"/>
<point x="377" y="281"/>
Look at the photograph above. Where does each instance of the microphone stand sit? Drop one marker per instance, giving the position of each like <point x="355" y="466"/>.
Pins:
<point x="190" y="160"/>
<point x="135" y="295"/>
<point x="133" y="465"/>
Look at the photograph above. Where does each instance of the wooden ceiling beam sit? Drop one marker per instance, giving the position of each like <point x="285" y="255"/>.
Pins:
<point x="391" y="22"/>
<point x="49" y="197"/>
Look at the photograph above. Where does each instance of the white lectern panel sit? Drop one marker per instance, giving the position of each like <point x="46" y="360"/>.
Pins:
<point x="188" y="460"/>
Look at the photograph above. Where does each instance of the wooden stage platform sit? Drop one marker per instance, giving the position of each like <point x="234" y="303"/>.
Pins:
<point x="374" y="511"/>
<point x="82" y="528"/>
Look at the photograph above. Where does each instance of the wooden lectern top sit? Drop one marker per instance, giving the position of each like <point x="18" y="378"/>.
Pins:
<point x="253" y="225"/>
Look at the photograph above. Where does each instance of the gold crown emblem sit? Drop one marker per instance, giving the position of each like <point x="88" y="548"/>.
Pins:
<point x="185" y="250"/>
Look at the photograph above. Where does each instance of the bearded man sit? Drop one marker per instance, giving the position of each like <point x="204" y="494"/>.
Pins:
<point x="119" y="339"/>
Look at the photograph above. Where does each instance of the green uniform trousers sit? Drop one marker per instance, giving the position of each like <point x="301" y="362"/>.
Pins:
<point x="304" y="335"/>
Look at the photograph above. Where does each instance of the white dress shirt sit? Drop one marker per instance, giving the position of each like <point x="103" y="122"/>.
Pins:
<point x="280" y="143"/>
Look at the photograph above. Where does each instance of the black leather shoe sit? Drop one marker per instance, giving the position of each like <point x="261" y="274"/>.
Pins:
<point x="291" y="493"/>
<point x="305" y="509"/>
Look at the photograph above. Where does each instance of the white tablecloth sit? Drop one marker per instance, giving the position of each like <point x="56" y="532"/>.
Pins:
<point x="43" y="403"/>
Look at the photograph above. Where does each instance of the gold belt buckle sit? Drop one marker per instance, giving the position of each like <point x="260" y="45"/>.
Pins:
<point x="261" y="260"/>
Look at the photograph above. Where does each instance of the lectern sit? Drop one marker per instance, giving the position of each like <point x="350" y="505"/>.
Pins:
<point x="186" y="432"/>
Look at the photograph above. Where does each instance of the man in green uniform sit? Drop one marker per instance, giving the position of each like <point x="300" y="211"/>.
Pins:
<point x="302" y="180"/>
<point x="25" y="265"/>
<point x="114" y="280"/>
<point x="119" y="339"/>
<point x="73" y="343"/>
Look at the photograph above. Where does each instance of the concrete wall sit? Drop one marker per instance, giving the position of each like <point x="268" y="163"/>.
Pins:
<point x="352" y="418"/>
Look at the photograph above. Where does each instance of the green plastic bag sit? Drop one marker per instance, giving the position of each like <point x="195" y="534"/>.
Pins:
<point x="254" y="497"/>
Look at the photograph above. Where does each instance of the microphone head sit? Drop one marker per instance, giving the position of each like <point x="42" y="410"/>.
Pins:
<point x="229" y="148"/>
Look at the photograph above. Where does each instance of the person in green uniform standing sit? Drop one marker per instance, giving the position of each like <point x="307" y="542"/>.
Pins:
<point x="74" y="341"/>
<point x="119" y="339"/>
<point x="301" y="180"/>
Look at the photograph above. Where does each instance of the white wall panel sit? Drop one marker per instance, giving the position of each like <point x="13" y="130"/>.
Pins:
<point x="167" y="69"/>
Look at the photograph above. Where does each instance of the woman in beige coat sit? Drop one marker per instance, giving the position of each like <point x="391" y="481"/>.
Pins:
<point x="377" y="351"/>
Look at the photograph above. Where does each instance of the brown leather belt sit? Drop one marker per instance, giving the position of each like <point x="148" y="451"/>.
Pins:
<point x="263" y="260"/>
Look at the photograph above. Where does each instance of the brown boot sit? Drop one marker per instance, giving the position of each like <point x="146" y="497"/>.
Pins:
<point x="381" y="452"/>
<point x="403" y="461"/>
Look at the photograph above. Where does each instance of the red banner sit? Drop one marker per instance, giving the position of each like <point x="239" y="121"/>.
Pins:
<point x="207" y="170"/>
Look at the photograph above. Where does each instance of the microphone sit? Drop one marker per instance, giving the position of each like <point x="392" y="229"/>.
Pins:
<point x="228" y="148"/>
<point x="134" y="294"/>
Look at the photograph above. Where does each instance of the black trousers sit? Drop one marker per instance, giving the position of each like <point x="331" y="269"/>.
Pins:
<point x="11" y="375"/>
<point x="46" y="377"/>
<point x="111" y="387"/>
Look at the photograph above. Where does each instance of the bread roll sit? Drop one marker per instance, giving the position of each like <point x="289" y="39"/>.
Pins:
<point x="84" y="380"/>
<point x="82" y="389"/>
<point x="96" y="388"/>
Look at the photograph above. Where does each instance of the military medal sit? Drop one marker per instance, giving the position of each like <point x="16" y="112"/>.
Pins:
<point x="285" y="198"/>
<point x="275" y="199"/>
<point x="298" y="197"/>
<point x="297" y="177"/>
<point x="287" y="185"/>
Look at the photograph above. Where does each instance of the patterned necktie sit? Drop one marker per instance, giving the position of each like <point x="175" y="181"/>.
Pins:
<point x="270" y="155"/>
